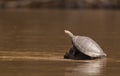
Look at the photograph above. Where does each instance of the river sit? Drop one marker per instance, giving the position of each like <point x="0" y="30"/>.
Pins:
<point x="33" y="43"/>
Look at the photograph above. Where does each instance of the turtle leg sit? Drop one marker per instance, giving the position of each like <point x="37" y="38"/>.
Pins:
<point x="72" y="51"/>
<point x="70" y="54"/>
<point x="66" y="56"/>
<point x="75" y="51"/>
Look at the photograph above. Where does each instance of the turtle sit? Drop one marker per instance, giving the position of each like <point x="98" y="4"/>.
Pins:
<point x="83" y="48"/>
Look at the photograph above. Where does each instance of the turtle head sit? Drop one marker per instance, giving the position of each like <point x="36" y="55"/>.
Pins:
<point x="69" y="33"/>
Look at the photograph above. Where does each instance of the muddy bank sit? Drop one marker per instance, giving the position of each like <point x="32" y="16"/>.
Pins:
<point x="60" y="4"/>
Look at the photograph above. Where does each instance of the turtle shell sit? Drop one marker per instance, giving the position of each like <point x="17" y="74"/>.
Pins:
<point x="87" y="46"/>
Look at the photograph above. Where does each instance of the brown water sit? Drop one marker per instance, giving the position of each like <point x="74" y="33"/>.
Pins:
<point x="32" y="42"/>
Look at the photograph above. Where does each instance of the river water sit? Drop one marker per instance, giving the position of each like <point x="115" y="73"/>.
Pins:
<point x="33" y="43"/>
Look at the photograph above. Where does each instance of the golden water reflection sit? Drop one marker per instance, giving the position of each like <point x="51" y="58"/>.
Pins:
<point x="92" y="68"/>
